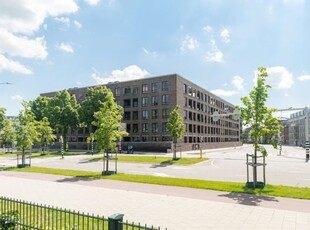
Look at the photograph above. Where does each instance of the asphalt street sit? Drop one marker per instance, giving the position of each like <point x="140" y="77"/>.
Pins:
<point x="229" y="164"/>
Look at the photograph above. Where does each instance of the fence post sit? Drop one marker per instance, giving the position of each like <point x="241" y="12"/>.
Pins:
<point x="115" y="222"/>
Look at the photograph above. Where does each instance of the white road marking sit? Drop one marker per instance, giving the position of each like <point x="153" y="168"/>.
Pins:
<point x="161" y="174"/>
<point x="212" y="163"/>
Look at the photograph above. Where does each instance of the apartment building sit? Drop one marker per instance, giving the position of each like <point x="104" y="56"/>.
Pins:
<point x="147" y="104"/>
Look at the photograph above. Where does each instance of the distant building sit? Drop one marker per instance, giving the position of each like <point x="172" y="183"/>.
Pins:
<point x="298" y="126"/>
<point x="147" y="104"/>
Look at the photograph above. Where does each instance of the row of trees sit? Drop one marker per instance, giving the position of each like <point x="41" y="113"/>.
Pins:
<point x="39" y="119"/>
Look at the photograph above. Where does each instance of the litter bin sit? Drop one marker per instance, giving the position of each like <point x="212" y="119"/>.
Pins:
<point x="115" y="222"/>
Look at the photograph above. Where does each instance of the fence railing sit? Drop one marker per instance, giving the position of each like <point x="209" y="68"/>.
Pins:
<point x="19" y="214"/>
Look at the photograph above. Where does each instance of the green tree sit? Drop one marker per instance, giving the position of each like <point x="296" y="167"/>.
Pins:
<point x="8" y="135"/>
<point x="94" y="99"/>
<point x="259" y="117"/>
<point x="175" y="127"/>
<point x="107" y="121"/>
<point x="39" y="107"/>
<point x="26" y="132"/>
<point x="2" y="118"/>
<point x="46" y="135"/>
<point x="63" y="113"/>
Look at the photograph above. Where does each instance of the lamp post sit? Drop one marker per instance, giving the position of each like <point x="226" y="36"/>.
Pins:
<point x="201" y="140"/>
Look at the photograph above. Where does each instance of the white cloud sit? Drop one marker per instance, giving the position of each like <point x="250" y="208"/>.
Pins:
<point x="17" y="98"/>
<point x="65" y="47"/>
<point x="92" y="2"/>
<point x="279" y="77"/>
<point x="63" y="20"/>
<point x="77" y="24"/>
<point x="286" y="95"/>
<point x="13" y="66"/>
<point x="215" y="55"/>
<point x="207" y="29"/>
<point x="225" y="35"/>
<point x="79" y="83"/>
<point x="22" y="46"/>
<point x="238" y="82"/>
<point x="132" y="72"/>
<point x="304" y="78"/>
<point x="221" y="92"/>
<point x="18" y="16"/>
<point x="18" y="20"/>
<point x="149" y="53"/>
<point x="189" y="43"/>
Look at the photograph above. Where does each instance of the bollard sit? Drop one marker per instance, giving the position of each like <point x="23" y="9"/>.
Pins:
<point x="115" y="222"/>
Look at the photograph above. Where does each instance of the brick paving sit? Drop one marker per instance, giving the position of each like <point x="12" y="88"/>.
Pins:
<point x="164" y="206"/>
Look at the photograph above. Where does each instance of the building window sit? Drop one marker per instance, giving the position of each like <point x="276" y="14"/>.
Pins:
<point x="155" y="139"/>
<point x="145" y="88"/>
<point x="144" y="101"/>
<point x="154" y="87"/>
<point x="118" y="102"/>
<point x="144" y="139"/>
<point x="127" y="103"/>
<point x="154" y="100"/>
<point x="165" y="113"/>
<point x="135" y="102"/>
<point x="184" y="88"/>
<point x="135" y="139"/>
<point x="117" y="91"/>
<point x="135" y="128"/>
<point x="135" y="115"/>
<point x="154" y="127"/>
<point x="127" y="91"/>
<point x="145" y="114"/>
<point x="126" y="116"/>
<point x="128" y="128"/>
<point x="164" y="127"/>
<point x="145" y="127"/>
<point x="165" y="99"/>
<point x="166" y="138"/>
<point x="154" y="113"/>
<point x="165" y="86"/>
<point x="135" y="90"/>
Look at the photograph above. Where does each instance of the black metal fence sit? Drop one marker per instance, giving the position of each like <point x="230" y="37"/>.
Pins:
<point x="22" y="215"/>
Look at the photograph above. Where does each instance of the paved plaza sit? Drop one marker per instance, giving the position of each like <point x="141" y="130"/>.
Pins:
<point x="164" y="206"/>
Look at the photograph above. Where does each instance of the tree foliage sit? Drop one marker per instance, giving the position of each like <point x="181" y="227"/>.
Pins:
<point x="63" y="113"/>
<point x="175" y="127"/>
<point x="2" y="118"/>
<point x="39" y="107"/>
<point x="94" y="99"/>
<point x="8" y="136"/>
<point x="258" y="116"/>
<point x="45" y="132"/>
<point x="26" y="132"/>
<point x="107" y="121"/>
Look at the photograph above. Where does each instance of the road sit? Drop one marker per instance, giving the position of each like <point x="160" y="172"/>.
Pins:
<point x="289" y="168"/>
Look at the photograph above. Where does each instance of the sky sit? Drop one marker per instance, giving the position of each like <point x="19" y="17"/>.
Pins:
<point x="50" y="45"/>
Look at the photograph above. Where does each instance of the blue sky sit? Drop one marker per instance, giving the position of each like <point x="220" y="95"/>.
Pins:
<point x="51" y="45"/>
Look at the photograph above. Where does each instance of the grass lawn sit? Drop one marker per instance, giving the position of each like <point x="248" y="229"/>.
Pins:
<point x="51" y="153"/>
<point x="153" y="159"/>
<point x="270" y="190"/>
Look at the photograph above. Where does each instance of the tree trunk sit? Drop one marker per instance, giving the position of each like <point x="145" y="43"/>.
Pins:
<point x="174" y="149"/>
<point x="254" y="166"/>
<point x="23" y="157"/>
<point x="64" y="134"/>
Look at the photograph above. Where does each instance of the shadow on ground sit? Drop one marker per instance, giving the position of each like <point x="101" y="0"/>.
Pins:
<point x="249" y="199"/>
<point x="76" y="179"/>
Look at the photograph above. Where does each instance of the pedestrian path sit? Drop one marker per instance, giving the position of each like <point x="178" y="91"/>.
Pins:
<point x="164" y="206"/>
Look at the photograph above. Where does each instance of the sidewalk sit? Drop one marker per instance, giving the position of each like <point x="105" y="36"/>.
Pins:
<point x="165" y="206"/>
